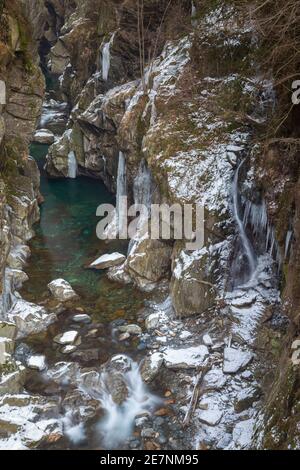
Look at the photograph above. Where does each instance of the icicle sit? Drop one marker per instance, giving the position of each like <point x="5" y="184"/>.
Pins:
<point x="72" y="165"/>
<point x="194" y="15"/>
<point x="106" y="58"/>
<point x="287" y="243"/>
<point x="244" y="239"/>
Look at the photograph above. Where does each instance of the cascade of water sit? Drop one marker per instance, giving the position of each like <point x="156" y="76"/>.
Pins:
<point x="247" y="248"/>
<point x="142" y="186"/>
<point x="106" y="58"/>
<point x="72" y="165"/>
<point x="256" y="216"/>
<point x="118" y="422"/>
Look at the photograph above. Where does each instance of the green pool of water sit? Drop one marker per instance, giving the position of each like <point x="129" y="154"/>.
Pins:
<point x="66" y="242"/>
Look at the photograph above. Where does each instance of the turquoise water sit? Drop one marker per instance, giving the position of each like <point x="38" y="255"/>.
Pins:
<point x="66" y="242"/>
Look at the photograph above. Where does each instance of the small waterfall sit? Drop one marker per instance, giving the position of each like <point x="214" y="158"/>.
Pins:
<point x="142" y="186"/>
<point x="106" y="58"/>
<point x="247" y="248"/>
<point x="120" y="217"/>
<point x="118" y="423"/>
<point x="72" y="165"/>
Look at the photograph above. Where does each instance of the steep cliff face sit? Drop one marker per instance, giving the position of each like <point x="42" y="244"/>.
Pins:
<point x="24" y="89"/>
<point x="141" y="119"/>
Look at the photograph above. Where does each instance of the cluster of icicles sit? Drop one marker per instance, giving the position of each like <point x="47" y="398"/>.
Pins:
<point x="255" y="216"/>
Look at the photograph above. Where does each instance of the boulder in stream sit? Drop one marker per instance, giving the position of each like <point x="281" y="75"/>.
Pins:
<point x="44" y="136"/>
<point x="108" y="261"/>
<point x="62" y="290"/>
<point x="30" y="319"/>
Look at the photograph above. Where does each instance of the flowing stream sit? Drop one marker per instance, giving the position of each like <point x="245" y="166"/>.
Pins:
<point x="65" y="243"/>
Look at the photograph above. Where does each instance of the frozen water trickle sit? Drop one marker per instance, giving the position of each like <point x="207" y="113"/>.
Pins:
<point x="247" y="248"/>
<point x="72" y="165"/>
<point x="106" y="58"/>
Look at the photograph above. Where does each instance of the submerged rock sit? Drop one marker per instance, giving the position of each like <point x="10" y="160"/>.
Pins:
<point x="82" y="318"/>
<point x="108" y="261"/>
<point x="131" y="329"/>
<point x="152" y="321"/>
<point x="62" y="290"/>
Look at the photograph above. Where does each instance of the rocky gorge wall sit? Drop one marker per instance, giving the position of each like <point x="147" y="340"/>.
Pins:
<point x="20" y="71"/>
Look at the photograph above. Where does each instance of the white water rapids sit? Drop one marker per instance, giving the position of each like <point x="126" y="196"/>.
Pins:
<point x="118" y="422"/>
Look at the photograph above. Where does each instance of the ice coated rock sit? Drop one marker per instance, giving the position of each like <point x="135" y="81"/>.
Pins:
<point x="242" y="434"/>
<point x="151" y="366"/>
<point x="215" y="379"/>
<point x="18" y="256"/>
<point x="69" y="337"/>
<point x="235" y="359"/>
<point x="152" y="321"/>
<point x="211" y="417"/>
<point x="44" y="136"/>
<point x="185" y="358"/>
<point x="37" y="362"/>
<point x="30" y="318"/>
<point x="108" y="261"/>
<point x="62" y="290"/>
<point x="207" y="340"/>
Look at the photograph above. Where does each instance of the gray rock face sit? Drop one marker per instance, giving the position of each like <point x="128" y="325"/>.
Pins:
<point x="191" y="290"/>
<point x="44" y="136"/>
<point x="7" y="330"/>
<point x="30" y="319"/>
<point x="62" y="290"/>
<point x="149" y="262"/>
<point x="12" y="382"/>
<point x="108" y="261"/>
